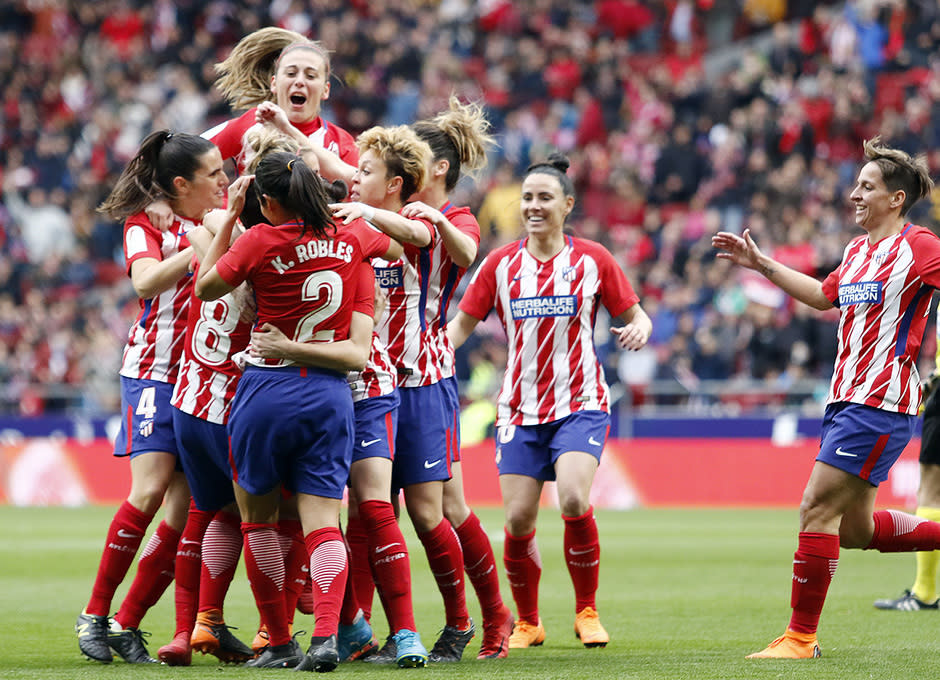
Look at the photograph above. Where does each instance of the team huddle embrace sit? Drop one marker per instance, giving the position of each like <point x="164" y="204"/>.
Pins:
<point x="294" y="346"/>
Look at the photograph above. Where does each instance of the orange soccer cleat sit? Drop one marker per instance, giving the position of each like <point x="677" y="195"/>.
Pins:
<point x="524" y="634"/>
<point x="790" y="645"/>
<point x="588" y="628"/>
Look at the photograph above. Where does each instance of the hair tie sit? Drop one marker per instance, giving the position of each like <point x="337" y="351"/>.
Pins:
<point x="168" y="135"/>
<point x="290" y="165"/>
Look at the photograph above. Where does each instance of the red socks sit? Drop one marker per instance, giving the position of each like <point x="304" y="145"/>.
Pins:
<point x="814" y="564"/>
<point x="264" y="564"/>
<point x="154" y="575"/>
<point x="221" y="546"/>
<point x="446" y="561"/>
<point x="388" y="559"/>
<point x="188" y="567"/>
<point x="523" y="569"/>
<point x="583" y="556"/>
<point x="480" y="565"/>
<point x="360" y="572"/>
<point x="290" y="534"/>
<point x="120" y="546"/>
<point x="328" y="571"/>
<point x="900" y="532"/>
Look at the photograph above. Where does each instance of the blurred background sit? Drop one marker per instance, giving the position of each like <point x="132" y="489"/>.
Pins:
<point x="680" y="118"/>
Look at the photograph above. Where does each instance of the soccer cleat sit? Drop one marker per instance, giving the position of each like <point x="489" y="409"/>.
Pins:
<point x="129" y="644"/>
<point x="588" y="628"/>
<point x="386" y="655"/>
<point x="178" y="652"/>
<point x="92" y="633"/>
<point x="790" y="645"/>
<point x="409" y="652"/>
<point x="212" y="636"/>
<point x="451" y="643"/>
<point x="496" y="634"/>
<point x="321" y="657"/>
<point x="524" y="634"/>
<point x="288" y="655"/>
<point x="908" y="602"/>
<point x="356" y="640"/>
<point x="261" y="638"/>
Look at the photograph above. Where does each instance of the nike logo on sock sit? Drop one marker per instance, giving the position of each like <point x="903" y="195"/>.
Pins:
<point x="127" y="534"/>
<point x="383" y="548"/>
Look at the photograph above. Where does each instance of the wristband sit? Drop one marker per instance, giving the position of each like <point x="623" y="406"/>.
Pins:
<point x="368" y="212"/>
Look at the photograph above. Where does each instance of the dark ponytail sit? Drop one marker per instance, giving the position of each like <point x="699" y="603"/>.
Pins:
<point x="288" y="180"/>
<point x="162" y="156"/>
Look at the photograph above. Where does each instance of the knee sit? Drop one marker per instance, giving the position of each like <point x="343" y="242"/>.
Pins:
<point x="147" y="496"/>
<point x="573" y="504"/>
<point x="424" y="518"/>
<point x="456" y="510"/>
<point x="520" y="521"/>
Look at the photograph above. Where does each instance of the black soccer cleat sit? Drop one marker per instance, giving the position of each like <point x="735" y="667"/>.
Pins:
<point x="322" y="656"/>
<point x="288" y="655"/>
<point x="129" y="644"/>
<point x="451" y="643"/>
<point x="92" y="634"/>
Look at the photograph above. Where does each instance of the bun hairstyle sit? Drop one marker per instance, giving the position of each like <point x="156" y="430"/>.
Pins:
<point x="557" y="165"/>
<point x="285" y="178"/>
<point x="163" y="156"/>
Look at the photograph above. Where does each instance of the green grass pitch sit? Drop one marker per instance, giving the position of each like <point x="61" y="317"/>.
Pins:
<point x="685" y="594"/>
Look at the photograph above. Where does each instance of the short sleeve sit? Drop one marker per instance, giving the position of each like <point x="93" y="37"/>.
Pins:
<point x="480" y="295"/>
<point x="926" y="248"/>
<point x="364" y="300"/>
<point x="240" y="260"/>
<point x="141" y="240"/>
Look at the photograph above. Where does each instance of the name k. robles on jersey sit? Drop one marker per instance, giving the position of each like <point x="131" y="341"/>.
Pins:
<point x="549" y="305"/>
<point x="861" y="292"/>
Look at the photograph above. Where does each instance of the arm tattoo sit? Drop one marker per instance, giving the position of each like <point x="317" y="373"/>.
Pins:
<point x="766" y="269"/>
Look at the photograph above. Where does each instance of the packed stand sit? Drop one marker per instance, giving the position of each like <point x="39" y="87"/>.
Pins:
<point x="667" y="146"/>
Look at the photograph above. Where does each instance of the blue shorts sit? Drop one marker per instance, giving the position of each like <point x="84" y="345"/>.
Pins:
<point x="147" y="422"/>
<point x="864" y="441"/>
<point x="376" y="423"/>
<point x="421" y="442"/>
<point x="203" y="448"/>
<point x="532" y="450"/>
<point x="292" y="426"/>
<point x="452" y="412"/>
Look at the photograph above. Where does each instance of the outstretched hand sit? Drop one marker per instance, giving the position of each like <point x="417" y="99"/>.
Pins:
<point x="740" y="250"/>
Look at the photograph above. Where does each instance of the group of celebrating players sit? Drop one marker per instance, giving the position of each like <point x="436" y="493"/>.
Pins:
<point x="293" y="341"/>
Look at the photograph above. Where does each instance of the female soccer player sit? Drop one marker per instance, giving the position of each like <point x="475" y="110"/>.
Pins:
<point x="187" y="170"/>
<point x="291" y="426"/>
<point x="211" y="541"/>
<point x="552" y="413"/>
<point x="882" y="289"/>
<point x="282" y="78"/>
<point x="458" y="140"/>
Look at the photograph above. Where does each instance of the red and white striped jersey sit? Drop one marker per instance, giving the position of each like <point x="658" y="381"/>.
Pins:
<point x="548" y="310"/>
<point x="404" y="329"/>
<point x="883" y="293"/>
<point x="230" y="138"/>
<point x="443" y="279"/>
<point x="216" y="331"/>
<point x="155" y="341"/>
<point x="378" y="378"/>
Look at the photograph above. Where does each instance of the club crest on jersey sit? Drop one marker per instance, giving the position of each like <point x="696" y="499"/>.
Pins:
<point x="146" y="427"/>
<point x="861" y="292"/>
<point x="568" y="274"/>
<point x="549" y="305"/>
<point x="389" y="277"/>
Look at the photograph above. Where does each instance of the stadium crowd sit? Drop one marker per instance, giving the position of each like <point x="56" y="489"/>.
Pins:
<point x="680" y="117"/>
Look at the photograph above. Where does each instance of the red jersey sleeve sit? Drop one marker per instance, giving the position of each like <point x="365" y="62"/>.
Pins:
<point x="466" y="223"/>
<point x="926" y="247"/>
<point x="141" y="239"/>
<point x="228" y="135"/>
<point x="374" y="243"/>
<point x="347" y="145"/>
<point x="617" y="295"/>
<point x="830" y="286"/>
<point x="480" y="296"/>
<point x="365" y="290"/>
<point x="243" y="257"/>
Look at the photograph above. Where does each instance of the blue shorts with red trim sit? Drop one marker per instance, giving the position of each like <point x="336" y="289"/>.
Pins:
<point x="376" y="425"/>
<point x="864" y="441"/>
<point x="421" y="442"/>
<point x="452" y="412"/>
<point x="532" y="450"/>
<point x="292" y="426"/>
<point x="147" y="422"/>
<point x="203" y="448"/>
